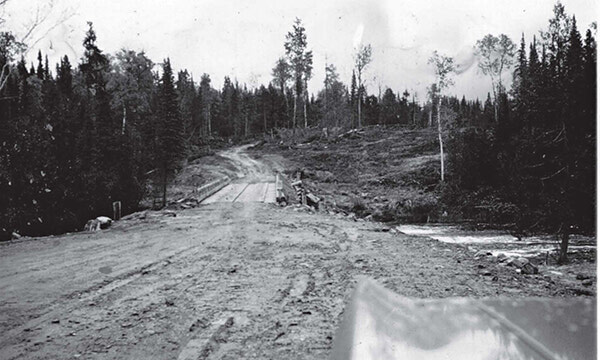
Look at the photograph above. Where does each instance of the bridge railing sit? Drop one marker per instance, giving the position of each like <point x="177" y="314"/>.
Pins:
<point x="209" y="189"/>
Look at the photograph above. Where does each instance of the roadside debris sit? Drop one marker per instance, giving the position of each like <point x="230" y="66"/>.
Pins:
<point x="523" y="265"/>
<point x="182" y="204"/>
<point x="99" y="223"/>
<point x="304" y="196"/>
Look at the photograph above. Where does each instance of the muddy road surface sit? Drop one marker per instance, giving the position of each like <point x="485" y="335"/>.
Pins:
<point x="226" y="280"/>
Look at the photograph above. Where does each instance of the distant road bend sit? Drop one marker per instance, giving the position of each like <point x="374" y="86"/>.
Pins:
<point x="255" y="183"/>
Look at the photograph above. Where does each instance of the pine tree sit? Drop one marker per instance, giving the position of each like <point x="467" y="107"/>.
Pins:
<point x="300" y="60"/>
<point x="40" y="67"/>
<point x="589" y="74"/>
<point x="206" y="100"/>
<point x="169" y="132"/>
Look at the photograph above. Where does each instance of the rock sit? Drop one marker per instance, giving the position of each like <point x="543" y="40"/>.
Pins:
<point x="15" y="235"/>
<point x="169" y="213"/>
<point x="343" y="246"/>
<point x="502" y="257"/>
<point x="587" y="282"/>
<point x="324" y="176"/>
<point x="517" y="262"/>
<point x="104" y="221"/>
<point x="99" y="223"/>
<point x="529" y="269"/>
<point x="482" y="253"/>
<point x="580" y="291"/>
<point x="582" y="277"/>
<point x="55" y="321"/>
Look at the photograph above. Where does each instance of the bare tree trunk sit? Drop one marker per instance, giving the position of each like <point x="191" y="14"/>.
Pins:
<point x="124" y="120"/>
<point x="325" y="121"/>
<point x="294" y="114"/>
<point x="305" y="118"/>
<point x="164" y="184"/>
<point x="495" y="92"/>
<point x="359" y="98"/>
<point x="209" y="125"/>
<point x="414" y="111"/>
<point x="430" y="117"/>
<point x="287" y="106"/>
<point x="305" y="102"/>
<point x="359" y="121"/>
<point x="564" y="244"/>
<point x="441" y="141"/>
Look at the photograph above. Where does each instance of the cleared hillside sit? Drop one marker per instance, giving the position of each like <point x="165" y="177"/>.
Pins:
<point x="389" y="173"/>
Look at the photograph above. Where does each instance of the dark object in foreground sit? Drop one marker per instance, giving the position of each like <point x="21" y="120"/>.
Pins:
<point x="379" y="324"/>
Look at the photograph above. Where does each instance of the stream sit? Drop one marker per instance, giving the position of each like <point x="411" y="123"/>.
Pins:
<point x="499" y="242"/>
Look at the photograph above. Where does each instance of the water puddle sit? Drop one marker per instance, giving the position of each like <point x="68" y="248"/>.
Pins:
<point x="496" y="241"/>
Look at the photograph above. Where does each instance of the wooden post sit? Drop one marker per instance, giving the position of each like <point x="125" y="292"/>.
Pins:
<point x="116" y="210"/>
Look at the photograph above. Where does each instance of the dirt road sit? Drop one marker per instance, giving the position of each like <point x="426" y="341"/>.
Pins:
<point x="221" y="281"/>
<point x="255" y="183"/>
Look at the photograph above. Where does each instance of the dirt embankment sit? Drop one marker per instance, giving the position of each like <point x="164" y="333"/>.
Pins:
<point x="388" y="173"/>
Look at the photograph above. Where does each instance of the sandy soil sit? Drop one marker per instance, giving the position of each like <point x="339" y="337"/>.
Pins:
<point x="225" y="281"/>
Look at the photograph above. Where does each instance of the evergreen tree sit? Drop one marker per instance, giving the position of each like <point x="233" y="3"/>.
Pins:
<point x="169" y="132"/>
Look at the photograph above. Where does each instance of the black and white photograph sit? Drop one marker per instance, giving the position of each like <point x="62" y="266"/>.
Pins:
<point x="279" y="179"/>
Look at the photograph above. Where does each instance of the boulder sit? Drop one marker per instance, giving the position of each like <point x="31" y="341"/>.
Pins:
<point x="518" y="262"/>
<point x="99" y="223"/>
<point x="529" y="269"/>
<point x="482" y="253"/>
<point x="588" y="282"/>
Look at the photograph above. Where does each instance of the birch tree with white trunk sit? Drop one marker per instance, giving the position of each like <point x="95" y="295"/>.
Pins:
<point x="444" y="67"/>
<point x="362" y="59"/>
<point x="495" y="54"/>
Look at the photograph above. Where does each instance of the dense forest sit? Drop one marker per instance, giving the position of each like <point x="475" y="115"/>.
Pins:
<point x="535" y="166"/>
<point x="76" y="137"/>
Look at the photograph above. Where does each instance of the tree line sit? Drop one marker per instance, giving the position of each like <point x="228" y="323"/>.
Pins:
<point x="534" y="163"/>
<point x="75" y="138"/>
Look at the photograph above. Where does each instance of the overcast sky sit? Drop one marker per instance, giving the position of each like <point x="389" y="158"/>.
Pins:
<point x="243" y="39"/>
